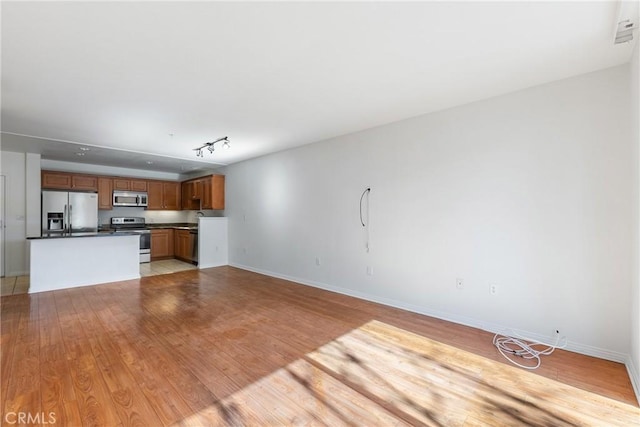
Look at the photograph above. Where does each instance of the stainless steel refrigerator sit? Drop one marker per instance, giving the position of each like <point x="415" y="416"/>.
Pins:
<point x="69" y="212"/>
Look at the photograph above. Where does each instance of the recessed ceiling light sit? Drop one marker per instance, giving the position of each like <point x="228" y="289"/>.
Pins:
<point x="80" y="153"/>
<point x="149" y="162"/>
<point x="85" y="148"/>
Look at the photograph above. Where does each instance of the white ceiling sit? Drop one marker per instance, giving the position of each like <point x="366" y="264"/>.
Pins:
<point x="271" y="76"/>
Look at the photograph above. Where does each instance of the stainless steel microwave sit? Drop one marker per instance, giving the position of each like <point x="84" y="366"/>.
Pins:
<point x="130" y="198"/>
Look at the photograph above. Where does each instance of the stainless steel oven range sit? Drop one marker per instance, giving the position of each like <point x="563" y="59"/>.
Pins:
<point x="135" y="225"/>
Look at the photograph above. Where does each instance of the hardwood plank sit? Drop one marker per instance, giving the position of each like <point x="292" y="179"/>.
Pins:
<point x="224" y="346"/>
<point x="426" y="378"/>
<point x="23" y="372"/>
<point x="57" y="393"/>
<point x="130" y="404"/>
<point x="162" y="397"/>
<point x="94" y="401"/>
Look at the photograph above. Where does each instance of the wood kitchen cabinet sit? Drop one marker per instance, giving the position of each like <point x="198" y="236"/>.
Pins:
<point x="203" y="193"/>
<point x="164" y="195"/>
<point x="67" y="181"/>
<point x="171" y="195"/>
<point x="213" y="192"/>
<point x="84" y="182"/>
<point x="162" y="245"/>
<point x="127" y="184"/>
<point x="186" y="196"/>
<point x="105" y="193"/>
<point x="183" y="245"/>
<point x="56" y="180"/>
<point x="191" y="194"/>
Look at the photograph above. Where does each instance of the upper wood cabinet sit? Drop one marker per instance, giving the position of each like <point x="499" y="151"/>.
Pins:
<point x="68" y="181"/>
<point x="56" y="180"/>
<point x="171" y="195"/>
<point x="84" y="182"/>
<point x="213" y="192"/>
<point x="105" y="193"/>
<point x="163" y="195"/>
<point x="191" y="194"/>
<point x="203" y="193"/>
<point x="200" y="193"/>
<point x="127" y="184"/>
<point x="154" y="194"/>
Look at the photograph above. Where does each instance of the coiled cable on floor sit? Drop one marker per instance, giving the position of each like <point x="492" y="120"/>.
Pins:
<point x="510" y="346"/>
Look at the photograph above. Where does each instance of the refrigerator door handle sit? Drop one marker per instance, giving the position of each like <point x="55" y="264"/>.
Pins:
<point x="70" y="218"/>
<point x="65" y="221"/>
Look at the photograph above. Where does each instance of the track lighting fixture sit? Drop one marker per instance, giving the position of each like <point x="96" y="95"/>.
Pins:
<point x="211" y="146"/>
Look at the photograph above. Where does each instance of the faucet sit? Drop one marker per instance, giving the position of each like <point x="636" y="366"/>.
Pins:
<point x="199" y="213"/>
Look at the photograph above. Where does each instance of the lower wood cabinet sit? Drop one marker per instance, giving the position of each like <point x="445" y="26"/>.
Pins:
<point x="162" y="245"/>
<point x="183" y="245"/>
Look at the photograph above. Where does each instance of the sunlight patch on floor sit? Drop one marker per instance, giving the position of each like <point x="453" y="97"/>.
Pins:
<point x="381" y="375"/>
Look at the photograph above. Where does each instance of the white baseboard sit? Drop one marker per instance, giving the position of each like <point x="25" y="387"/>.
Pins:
<point x="634" y="375"/>
<point x="575" y="347"/>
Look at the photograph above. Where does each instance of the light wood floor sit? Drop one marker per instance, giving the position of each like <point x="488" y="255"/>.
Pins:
<point x="174" y="348"/>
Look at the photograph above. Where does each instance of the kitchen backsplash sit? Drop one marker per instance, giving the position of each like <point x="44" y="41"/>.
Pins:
<point x="155" y="217"/>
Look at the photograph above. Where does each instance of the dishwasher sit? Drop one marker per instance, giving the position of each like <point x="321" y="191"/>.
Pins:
<point x="194" y="250"/>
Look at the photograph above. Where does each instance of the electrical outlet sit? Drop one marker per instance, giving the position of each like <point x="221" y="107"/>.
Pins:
<point x="459" y="283"/>
<point x="244" y="251"/>
<point x="493" y="289"/>
<point x="318" y="261"/>
<point x="369" y="271"/>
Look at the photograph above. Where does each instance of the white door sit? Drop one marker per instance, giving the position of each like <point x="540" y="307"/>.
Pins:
<point x="2" y="225"/>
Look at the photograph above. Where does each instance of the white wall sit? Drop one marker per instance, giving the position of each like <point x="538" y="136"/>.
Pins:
<point x="529" y="191"/>
<point x="22" y="207"/>
<point x="635" y="300"/>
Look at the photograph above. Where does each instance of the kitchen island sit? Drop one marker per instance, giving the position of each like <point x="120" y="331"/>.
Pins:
<point x="60" y="261"/>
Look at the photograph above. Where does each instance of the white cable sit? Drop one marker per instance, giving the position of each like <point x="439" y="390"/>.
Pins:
<point x="524" y="347"/>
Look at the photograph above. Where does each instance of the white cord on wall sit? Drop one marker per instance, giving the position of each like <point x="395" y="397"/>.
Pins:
<point x="365" y="225"/>
<point x="519" y="346"/>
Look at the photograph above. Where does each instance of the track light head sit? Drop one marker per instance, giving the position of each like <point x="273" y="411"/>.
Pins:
<point x="211" y="146"/>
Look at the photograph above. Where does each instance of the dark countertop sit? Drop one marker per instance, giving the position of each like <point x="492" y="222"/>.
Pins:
<point x="172" y="225"/>
<point x="107" y="233"/>
<point x="157" y="226"/>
